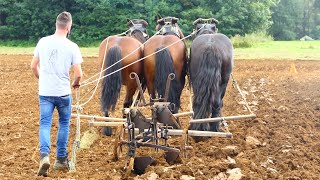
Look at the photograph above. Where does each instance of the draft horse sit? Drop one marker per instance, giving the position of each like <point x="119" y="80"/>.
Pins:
<point x="117" y="48"/>
<point x="170" y="60"/>
<point x="210" y="66"/>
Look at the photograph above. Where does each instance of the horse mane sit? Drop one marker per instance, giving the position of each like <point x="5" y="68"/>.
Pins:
<point x="139" y="36"/>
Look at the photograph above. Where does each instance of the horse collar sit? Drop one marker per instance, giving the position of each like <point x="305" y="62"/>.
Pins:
<point x="170" y="29"/>
<point x="137" y="27"/>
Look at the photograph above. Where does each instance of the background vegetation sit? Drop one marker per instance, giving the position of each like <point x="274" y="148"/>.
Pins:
<point x="23" y="22"/>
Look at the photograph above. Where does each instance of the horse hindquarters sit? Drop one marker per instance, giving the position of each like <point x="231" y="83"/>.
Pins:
<point x="165" y="66"/>
<point x="206" y="88"/>
<point x="112" y="84"/>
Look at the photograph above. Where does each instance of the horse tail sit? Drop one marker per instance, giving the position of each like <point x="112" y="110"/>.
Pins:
<point x="111" y="84"/>
<point x="165" y="66"/>
<point x="206" y="87"/>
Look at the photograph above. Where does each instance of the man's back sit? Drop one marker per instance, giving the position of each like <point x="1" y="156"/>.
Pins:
<point x="56" y="55"/>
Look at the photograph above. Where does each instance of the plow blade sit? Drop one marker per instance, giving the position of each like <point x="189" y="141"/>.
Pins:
<point x="141" y="163"/>
<point x="172" y="157"/>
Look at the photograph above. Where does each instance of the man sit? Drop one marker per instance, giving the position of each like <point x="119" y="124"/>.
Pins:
<point x="53" y="57"/>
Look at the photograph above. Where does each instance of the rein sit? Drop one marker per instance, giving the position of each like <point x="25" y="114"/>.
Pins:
<point x="88" y="83"/>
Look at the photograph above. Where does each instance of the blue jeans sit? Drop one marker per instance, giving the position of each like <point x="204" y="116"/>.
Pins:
<point x="47" y="105"/>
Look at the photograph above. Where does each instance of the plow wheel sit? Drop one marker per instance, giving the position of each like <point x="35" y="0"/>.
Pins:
<point x="117" y="143"/>
<point x="129" y="167"/>
<point x="184" y="142"/>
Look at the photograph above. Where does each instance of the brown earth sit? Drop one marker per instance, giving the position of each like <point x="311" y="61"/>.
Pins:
<point x="287" y="127"/>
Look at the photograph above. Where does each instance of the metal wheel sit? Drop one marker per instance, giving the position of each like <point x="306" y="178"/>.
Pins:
<point x="117" y="149"/>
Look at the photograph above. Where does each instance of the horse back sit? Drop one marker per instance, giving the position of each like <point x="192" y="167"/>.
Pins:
<point x="178" y="50"/>
<point x="218" y="43"/>
<point x="130" y="47"/>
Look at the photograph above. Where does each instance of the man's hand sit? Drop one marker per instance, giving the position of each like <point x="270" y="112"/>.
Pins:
<point x="35" y="66"/>
<point x="75" y="84"/>
<point x="77" y="75"/>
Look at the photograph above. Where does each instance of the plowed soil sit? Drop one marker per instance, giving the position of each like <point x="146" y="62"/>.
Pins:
<point x="286" y="130"/>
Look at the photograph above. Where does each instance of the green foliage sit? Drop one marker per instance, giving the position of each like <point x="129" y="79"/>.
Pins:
<point x="29" y="20"/>
<point x="293" y="19"/>
<point x="17" y="43"/>
<point x="249" y="40"/>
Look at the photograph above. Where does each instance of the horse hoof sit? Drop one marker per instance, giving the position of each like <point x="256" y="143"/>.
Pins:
<point x="107" y="131"/>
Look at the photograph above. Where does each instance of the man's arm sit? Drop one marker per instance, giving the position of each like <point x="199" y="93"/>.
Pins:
<point x="77" y="75"/>
<point x="35" y="66"/>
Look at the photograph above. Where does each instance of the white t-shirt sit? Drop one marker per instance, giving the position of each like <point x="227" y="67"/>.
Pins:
<point x="56" y="56"/>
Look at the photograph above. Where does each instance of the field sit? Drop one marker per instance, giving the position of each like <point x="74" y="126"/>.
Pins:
<point x="287" y="127"/>
<point x="279" y="50"/>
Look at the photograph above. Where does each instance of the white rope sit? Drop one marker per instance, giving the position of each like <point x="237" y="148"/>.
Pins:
<point x="103" y="61"/>
<point x="142" y="58"/>
<point x="84" y="82"/>
<point x="105" y="55"/>
<point x="96" y="87"/>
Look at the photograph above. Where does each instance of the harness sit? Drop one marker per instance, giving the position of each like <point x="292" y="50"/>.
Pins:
<point x="207" y="25"/>
<point x="169" y="28"/>
<point x="138" y="27"/>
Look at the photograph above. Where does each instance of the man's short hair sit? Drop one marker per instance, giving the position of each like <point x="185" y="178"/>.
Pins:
<point x="63" y="20"/>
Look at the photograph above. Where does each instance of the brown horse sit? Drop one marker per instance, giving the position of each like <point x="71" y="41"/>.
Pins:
<point x="170" y="60"/>
<point x="117" y="48"/>
<point x="211" y="63"/>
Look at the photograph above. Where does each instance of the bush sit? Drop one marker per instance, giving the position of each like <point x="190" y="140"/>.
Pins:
<point x="250" y="40"/>
<point x="18" y="43"/>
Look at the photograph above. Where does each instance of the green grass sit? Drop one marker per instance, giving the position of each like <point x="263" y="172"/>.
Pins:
<point x="249" y="40"/>
<point x="86" y="51"/>
<point x="279" y="50"/>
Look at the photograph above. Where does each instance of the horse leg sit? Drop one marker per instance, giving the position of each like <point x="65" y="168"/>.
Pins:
<point x="131" y="89"/>
<point x="217" y="106"/>
<point x="151" y="91"/>
<point x="106" y="130"/>
<point x="223" y="90"/>
<point x="216" y="110"/>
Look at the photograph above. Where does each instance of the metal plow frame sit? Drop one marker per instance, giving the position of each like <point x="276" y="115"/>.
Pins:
<point x="147" y="131"/>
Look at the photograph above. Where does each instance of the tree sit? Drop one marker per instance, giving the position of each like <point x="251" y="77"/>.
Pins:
<point x="95" y="20"/>
<point x="293" y="19"/>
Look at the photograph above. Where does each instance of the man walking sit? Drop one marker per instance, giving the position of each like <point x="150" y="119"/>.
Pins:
<point x="53" y="57"/>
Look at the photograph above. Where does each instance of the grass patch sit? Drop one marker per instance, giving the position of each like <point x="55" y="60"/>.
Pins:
<point x="249" y="40"/>
<point x="5" y="50"/>
<point x="279" y="50"/>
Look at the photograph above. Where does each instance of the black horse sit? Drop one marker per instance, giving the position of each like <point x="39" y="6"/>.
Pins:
<point x="210" y="66"/>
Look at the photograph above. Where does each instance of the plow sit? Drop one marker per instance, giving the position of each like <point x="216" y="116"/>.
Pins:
<point x="152" y="124"/>
<point x="138" y="130"/>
